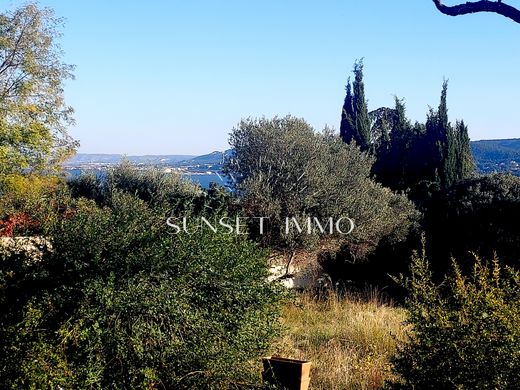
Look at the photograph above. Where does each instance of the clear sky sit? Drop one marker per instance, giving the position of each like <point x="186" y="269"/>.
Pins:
<point x="174" y="77"/>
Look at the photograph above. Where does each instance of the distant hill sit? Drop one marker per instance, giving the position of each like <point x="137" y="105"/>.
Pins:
<point x="213" y="158"/>
<point x="500" y="155"/>
<point x="497" y="150"/>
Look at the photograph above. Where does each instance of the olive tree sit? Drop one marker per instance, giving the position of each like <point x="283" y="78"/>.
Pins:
<point x="283" y="169"/>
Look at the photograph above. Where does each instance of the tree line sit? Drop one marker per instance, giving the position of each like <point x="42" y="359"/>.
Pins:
<point x="408" y="156"/>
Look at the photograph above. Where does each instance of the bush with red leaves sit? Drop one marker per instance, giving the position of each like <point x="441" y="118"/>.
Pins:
<point x="17" y="222"/>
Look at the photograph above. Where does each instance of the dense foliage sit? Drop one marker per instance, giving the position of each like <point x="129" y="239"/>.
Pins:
<point x="477" y="215"/>
<point x="96" y="291"/>
<point x="284" y="169"/>
<point x="28" y="193"/>
<point x="155" y="187"/>
<point x="466" y="332"/>
<point x="416" y="157"/>
<point x="113" y="299"/>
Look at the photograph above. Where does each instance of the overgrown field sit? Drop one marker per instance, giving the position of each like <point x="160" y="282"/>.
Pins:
<point x="349" y="340"/>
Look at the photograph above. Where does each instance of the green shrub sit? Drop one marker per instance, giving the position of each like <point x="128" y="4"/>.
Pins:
<point x="477" y="215"/>
<point x="155" y="187"/>
<point x="88" y="184"/>
<point x="466" y="331"/>
<point x="121" y="302"/>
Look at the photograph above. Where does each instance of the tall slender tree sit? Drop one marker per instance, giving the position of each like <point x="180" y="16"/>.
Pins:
<point x="347" y="131"/>
<point x="355" y="121"/>
<point x="464" y="164"/>
<point x="436" y="140"/>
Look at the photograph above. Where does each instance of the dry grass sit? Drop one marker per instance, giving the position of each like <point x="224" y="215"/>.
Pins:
<point x="349" y="340"/>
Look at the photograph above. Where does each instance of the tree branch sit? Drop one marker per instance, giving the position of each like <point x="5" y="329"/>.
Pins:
<point x="496" y="7"/>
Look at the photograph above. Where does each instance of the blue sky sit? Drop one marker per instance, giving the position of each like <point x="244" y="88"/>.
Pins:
<point x="174" y="77"/>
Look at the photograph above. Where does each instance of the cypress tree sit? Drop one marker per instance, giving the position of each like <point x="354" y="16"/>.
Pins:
<point x="355" y="121"/>
<point x="464" y="163"/>
<point x="393" y="147"/>
<point x="446" y="141"/>
<point x="438" y="130"/>
<point x="400" y="143"/>
<point x="346" y="130"/>
<point x="384" y="141"/>
<point x="450" y="162"/>
<point x="362" y="120"/>
<point x="380" y="169"/>
<point x="448" y="147"/>
<point x="415" y="157"/>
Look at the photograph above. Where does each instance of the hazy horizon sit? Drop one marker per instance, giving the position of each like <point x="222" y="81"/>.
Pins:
<point x="223" y="150"/>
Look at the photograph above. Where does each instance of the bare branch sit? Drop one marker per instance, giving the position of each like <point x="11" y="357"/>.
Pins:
<point x="496" y="7"/>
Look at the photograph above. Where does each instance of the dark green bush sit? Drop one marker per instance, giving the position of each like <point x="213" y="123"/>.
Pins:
<point x="477" y="215"/>
<point x="466" y="331"/>
<point x="121" y="302"/>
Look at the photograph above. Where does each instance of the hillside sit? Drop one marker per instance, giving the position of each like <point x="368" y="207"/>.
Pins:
<point x="213" y="158"/>
<point x="501" y="155"/>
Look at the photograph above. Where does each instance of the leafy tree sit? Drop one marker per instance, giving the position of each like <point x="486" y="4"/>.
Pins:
<point x="157" y="188"/>
<point x="28" y="193"/>
<point x="33" y="113"/>
<point x="465" y="332"/>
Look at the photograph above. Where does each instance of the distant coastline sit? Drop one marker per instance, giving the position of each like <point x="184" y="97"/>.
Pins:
<point x="203" y="170"/>
<point x="501" y="155"/>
